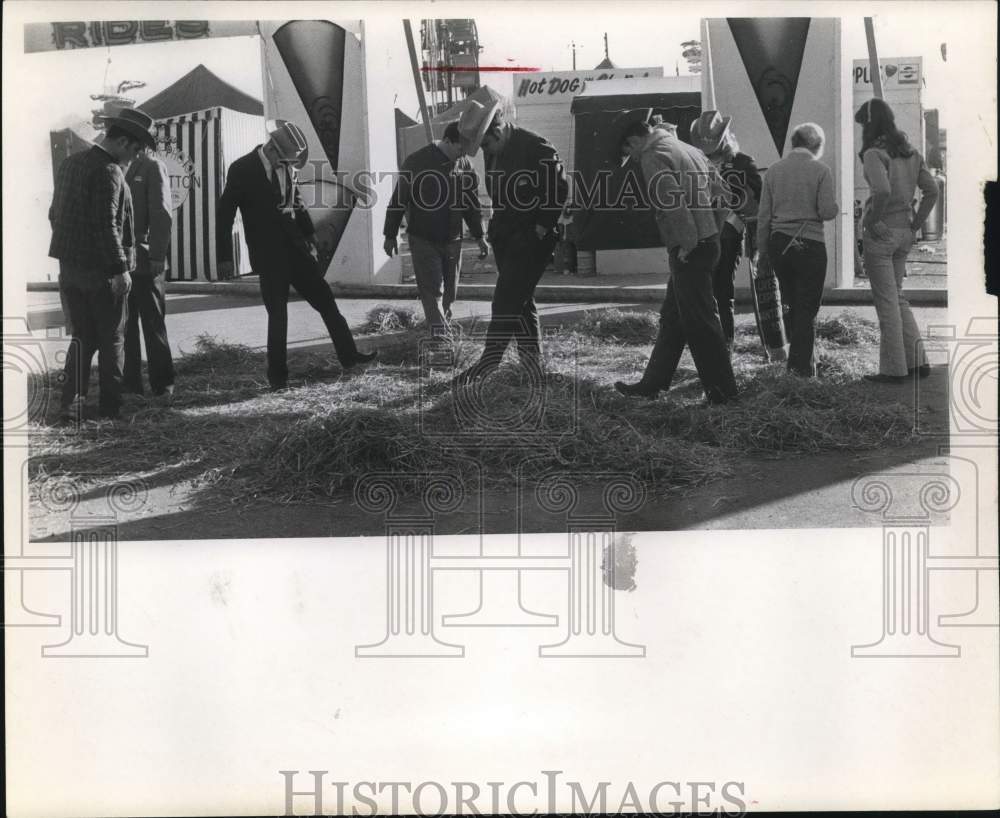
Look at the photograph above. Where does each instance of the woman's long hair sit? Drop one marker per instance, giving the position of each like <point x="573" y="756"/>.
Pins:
<point x="878" y="128"/>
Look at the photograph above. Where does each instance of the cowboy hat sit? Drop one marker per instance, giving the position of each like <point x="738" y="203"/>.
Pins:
<point x="709" y="131"/>
<point x="290" y="143"/>
<point x="621" y="123"/>
<point x="135" y="123"/>
<point x="475" y="121"/>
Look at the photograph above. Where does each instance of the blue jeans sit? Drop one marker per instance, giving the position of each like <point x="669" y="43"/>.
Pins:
<point x="900" y="347"/>
<point x="98" y="318"/>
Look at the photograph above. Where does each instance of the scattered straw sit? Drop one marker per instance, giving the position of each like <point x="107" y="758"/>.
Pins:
<point x="224" y="432"/>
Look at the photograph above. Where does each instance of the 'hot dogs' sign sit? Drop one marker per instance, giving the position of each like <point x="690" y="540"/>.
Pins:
<point x="546" y="87"/>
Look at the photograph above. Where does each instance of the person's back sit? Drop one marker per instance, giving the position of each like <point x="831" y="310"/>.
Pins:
<point x="77" y="234"/>
<point x="801" y="195"/>
<point x="898" y="177"/>
<point x="682" y="205"/>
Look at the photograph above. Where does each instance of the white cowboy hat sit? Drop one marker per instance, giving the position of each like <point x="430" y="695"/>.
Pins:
<point x="473" y="124"/>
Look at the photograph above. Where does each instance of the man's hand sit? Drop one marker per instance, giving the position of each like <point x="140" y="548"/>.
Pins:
<point x="157" y="267"/>
<point x="313" y="248"/>
<point x="484" y="247"/>
<point x="540" y="231"/>
<point x="683" y="252"/>
<point x="121" y="284"/>
<point x="225" y="269"/>
<point x="390" y="246"/>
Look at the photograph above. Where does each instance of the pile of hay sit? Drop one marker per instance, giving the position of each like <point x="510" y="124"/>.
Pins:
<point x="620" y="326"/>
<point x="384" y="318"/>
<point x="511" y="431"/>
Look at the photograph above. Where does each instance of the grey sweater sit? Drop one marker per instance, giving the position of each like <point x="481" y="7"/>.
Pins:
<point x="797" y="197"/>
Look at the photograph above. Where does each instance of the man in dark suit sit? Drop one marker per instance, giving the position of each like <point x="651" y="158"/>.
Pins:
<point x="280" y="238"/>
<point x="93" y="238"/>
<point x="527" y="186"/>
<point x="150" y="187"/>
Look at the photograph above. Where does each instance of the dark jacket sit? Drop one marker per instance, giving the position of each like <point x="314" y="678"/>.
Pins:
<point x="91" y="215"/>
<point x="743" y="178"/>
<point x="526" y="184"/>
<point x="271" y="231"/>
<point x="150" y="187"/>
<point x="436" y="194"/>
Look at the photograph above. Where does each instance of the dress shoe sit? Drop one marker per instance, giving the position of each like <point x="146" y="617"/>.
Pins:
<point x="166" y="391"/>
<point x="277" y="387"/>
<point x="474" y="373"/>
<point x="362" y="358"/>
<point x="880" y="378"/>
<point x="637" y="390"/>
<point x="922" y="371"/>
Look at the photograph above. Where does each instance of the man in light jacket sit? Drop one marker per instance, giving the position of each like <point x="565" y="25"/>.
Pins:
<point x="681" y="184"/>
<point x="147" y="302"/>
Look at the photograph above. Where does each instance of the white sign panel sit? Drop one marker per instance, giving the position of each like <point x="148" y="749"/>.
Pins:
<point x="546" y="87"/>
<point x="898" y="74"/>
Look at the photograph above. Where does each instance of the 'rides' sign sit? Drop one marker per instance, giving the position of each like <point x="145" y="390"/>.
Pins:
<point x="102" y="33"/>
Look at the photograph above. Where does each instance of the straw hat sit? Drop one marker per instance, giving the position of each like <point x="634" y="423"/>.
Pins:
<point x="290" y="143"/>
<point x="473" y="124"/>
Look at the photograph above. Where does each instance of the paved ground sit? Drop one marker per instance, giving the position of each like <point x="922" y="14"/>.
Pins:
<point x="927" y="269"/>
<point x="790" y="492"/>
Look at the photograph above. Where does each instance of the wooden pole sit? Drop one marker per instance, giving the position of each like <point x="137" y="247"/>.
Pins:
<point x="707" y="73"/>
<point x="416" y="79"/>
<point x="873" y="58"/>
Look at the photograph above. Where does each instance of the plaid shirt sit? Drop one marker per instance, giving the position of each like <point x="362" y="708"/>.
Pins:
<point x="91" y="217"/>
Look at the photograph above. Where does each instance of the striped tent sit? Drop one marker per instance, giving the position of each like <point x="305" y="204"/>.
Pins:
<point x="197" y="148"/>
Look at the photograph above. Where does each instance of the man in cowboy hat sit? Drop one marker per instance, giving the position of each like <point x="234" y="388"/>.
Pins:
<point x="281" y="239"/>
<point x="147" y="301"/>
<point x="712" y="134"/>
<point x="527" y="186"/>
<point x="681" y="186"/>
<point x="93" y="239"/>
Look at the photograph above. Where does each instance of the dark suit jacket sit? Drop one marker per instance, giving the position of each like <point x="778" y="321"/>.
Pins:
<point x="271" y="232"/>
<point x="147" y="179"/>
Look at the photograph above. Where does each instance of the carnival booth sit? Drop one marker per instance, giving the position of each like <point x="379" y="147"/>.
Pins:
<point x="203" y="124"/>
<point x="612" y="216"/>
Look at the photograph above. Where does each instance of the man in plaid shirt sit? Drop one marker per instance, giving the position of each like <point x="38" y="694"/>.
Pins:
<point x="93" y="238"/>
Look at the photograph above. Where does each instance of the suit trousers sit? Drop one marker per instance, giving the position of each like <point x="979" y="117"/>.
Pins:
<point x="521" y="258"/>
<point x="800" y="265"/>
<point x="436" y="266"/>
<point x="147" y="303"/>
<point x="724" y="277"/>
<point x="690" y="317"/>
<point x="98" y="318"/>
<point x="302" y="272"/>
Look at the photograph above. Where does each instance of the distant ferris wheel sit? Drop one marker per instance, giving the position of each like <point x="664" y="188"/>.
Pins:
<point x="451" y="60"/>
